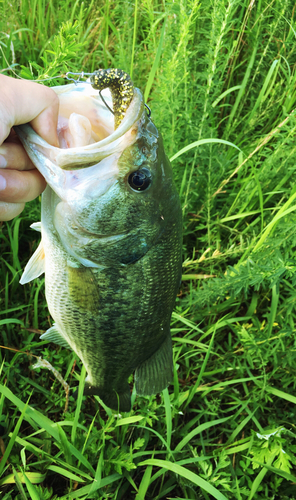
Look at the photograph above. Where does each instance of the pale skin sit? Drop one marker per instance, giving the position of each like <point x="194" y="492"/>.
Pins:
<point x="21" y="102"/>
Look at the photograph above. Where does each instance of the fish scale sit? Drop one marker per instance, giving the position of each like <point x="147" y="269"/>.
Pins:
<point x="110" y="250"/>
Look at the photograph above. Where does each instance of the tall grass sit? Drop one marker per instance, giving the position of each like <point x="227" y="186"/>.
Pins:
<point x="220" y="74"/>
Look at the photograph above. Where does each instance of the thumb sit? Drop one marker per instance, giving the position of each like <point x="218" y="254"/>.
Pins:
<point x="45" y="124"/>
<point x="23" y="101"/>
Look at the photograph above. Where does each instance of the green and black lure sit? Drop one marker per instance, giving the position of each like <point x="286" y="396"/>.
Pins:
<point x="121" y="88"/>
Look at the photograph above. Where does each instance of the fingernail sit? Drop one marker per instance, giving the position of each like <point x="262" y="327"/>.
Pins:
<point x="2" y="183"/>
<point x="3" y="162"/>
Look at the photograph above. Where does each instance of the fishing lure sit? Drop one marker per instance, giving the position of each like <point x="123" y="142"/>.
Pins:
<point x="121" y="87"/>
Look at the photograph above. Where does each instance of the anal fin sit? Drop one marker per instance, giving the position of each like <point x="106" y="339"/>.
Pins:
<point x="53" y="335"/>
<point x="35" y="267"/>
<point x="155" y="374"/>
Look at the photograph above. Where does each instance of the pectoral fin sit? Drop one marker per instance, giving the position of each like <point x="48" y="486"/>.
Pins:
<point x="36" y="226"/>
<point x="155" y="374"/>
<point x="35" y="266"/>
<point x="53" y="335"/>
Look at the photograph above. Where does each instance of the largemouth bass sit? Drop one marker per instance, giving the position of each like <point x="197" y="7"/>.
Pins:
<point x="110" y="237"/>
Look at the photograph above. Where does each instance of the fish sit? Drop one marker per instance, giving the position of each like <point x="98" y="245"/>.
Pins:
<point x="111" y="237"/>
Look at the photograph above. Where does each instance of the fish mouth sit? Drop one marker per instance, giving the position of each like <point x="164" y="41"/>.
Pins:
<point x="104" y="147"/>
<point x="81" y="99"/>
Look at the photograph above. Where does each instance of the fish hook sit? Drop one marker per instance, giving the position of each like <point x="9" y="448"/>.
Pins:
<point x="148" y="110"/>
<point x="107" y="106"/>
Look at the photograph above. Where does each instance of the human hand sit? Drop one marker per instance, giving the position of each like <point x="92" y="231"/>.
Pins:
<point x="21" y="102"/>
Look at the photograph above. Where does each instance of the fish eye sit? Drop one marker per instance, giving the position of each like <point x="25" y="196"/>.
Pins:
<point x="140" y="180"/>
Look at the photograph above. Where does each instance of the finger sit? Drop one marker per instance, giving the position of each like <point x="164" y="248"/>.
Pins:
<point x="18" y="186"/>
<point x="10" y="210"/>
<point x="13" y="156"/>
<point x="22" y="101"/>
<point x="46" y="123"/>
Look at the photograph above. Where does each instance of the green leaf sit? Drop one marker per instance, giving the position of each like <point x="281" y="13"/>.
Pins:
<point x="194" y="478"/>
<point x="144" y="485"/>
<point x="44" y="423"/>
<point x="199" y="430"/>
<point x="200" y="143"/>
<point x="31" y="489"/>
<point x="13" y="437"/>
<point x="78" y="404"/>
<point x="155" y="62"/>
<point x="128" y="420"/>
<point x="86" y="489"/>
<point x="277" y="471"/>
<point x="98" y="477"/>
<point x="34" y="477"/>
<point x="281" y="394"/>
<point x="66" y="473"/>
<point x="168" y="415"/>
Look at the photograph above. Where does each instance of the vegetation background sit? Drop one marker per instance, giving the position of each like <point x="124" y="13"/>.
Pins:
<point x="219" y="76"/>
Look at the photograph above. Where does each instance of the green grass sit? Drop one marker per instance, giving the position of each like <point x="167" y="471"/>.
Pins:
<point x="220" y="79"/>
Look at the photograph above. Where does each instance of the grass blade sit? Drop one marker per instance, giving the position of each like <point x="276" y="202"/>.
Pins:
<point x="13" y="437"/>
<point x="168" y="416"/>
<point x="44" y="423"/>
<point x="134" y="38"/>
<point x="66" y="473"/>
<point x="31" y="489"/>
<point x="200" y="143"/>
<point x="98" y="477"/>
<point x="199" y="430"/>
<point x="18" y="477"/>
<point x="242" y="87"/>
<point x="181" y="471"/>
<point x="281" y="394"/>
<point x="129" y="420"/>
<point x="86" y="489"/>
<point x="259" y="478"/>
<point x="144" y="483"/>
<point x="155" y="63"/>
<point x="203" y="367"/>
<point x="78" y="404"/>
